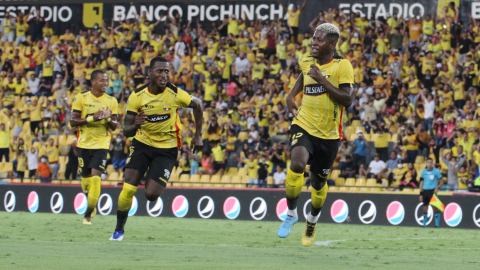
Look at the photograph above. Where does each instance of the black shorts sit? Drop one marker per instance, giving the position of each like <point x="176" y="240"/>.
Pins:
<point x="158" y="161"/>
<point x="218" y="166"/>
<point x="322" y="152"/>
<point x="89" y="159"/>
<point x="427" y="196"/>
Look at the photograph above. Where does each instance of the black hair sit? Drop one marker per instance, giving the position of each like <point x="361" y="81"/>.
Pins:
<point x="95" y="74"/>
<point x="157" y="59"/>
<point x="429" y="159"/>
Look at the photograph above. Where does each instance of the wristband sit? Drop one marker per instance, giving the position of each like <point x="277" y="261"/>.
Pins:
<point x="421" y="192"/>
<point x="90" y="119"/>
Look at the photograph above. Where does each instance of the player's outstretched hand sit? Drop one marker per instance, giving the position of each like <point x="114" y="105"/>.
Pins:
<point x="98" y="115"/>
<point x="197" y="143"/>
<point x="107" y="113"/>
<point x="315" y="73"/>
<point x="140" y="119"/>
<point x="292" y="106"/>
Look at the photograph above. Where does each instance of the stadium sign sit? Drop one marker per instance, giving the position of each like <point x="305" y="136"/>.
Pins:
<point x="395" y="209"/>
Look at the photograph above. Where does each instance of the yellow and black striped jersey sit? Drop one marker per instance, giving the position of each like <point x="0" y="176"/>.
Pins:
<point x="319" y="115"/>
<point x="162" y="128"/>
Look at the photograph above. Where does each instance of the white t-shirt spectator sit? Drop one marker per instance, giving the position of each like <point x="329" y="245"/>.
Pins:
<point x="33" y="85"/>
<point x="279" y="178"/>
<point x="377" y="167"/>
<point x="32" y="160"/>
<point x="250" y="122"/>
<point x="429" y="109"/>
<point x="241" y="65"/>
<point x="253" y="136"/>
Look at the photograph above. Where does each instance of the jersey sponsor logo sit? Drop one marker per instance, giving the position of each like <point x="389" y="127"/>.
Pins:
<point x="314" y="90"/>
<point x="9" y="201"/>
<point x="205" y="207"/>
<point x="156" y="118"/>
<point x="105" y="204"/>
<point x="367" y="211"/>
<point x="261" y="208"/>
<point x="56" y="202"/>
<point x="146" y="106"/>
<point x="419" y="214"/>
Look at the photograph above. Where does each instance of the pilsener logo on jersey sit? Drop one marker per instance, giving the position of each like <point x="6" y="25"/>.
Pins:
<point x="156" y="118"/>
<point x="314" y="90"/>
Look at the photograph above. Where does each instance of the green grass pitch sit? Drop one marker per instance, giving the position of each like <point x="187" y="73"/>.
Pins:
<point x="49" y="241"/>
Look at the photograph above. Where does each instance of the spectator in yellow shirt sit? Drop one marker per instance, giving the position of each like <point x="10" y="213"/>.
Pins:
<point x="294" y="17"/>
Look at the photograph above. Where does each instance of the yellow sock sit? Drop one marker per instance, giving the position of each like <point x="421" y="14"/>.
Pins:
<point x="86" y="183"/>
<point x="126" y="196"/>
<point x="294" y="184"/>
<point x="319" y="196"/>
<point x="94" y="191"/>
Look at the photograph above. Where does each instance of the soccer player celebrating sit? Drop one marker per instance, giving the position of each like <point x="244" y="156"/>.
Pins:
<point x="95" y="113"/>
<point x="152" y="117"/>
<point x="326" y="81"/>
<point x="431" y="180"/>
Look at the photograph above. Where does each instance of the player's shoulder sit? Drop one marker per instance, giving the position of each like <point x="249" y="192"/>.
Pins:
<point x="142" y="89"/>
<point x="172" y="87"/>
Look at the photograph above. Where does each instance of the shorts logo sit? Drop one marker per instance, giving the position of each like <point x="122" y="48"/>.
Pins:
<point x="33" y="202"/>
<point x="205" y="207"/>
<point x="57" y="205"/>
<point x="368" y="213"/>
<point x="157" y="209"/>
<point x="167" y="174"/>
<point x="105" y="204"/>
<point x="9" y="201"/>
<point x="294" y="142"/>
<point x="261" y="206"/>
<point x="419" y="214"/>
<point x="314" y="90"/>
<point x="157" y="118"/>
<point x="453" y="214"/>
<point x="395" y="213"/>
<point x="326" y="171"/>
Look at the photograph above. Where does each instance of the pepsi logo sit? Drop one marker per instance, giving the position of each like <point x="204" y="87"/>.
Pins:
<point x="453" y="214"/>
<point x="231" y="208"/>
<point x="367" y="211"/>
<point x="305" y="214"/>
<point x="80" y="203"/>
<point x="476" y="215"/>
<point x="134" y="207"/>
<point x="395" y="213"/>
<point x="156" y="209"/>
<point x="258" y="208"/>
<point x="33" y="202"/>
<point x="180" y="206"/>
<point x="419" y="214"/>
<point x="339" y="211"/>
<point x="56" y="202"/>
<point x="105" y="204"/>
<point x="282" y="209"/>
<point x="9" y="201"/>
<point x="205" y="207"/>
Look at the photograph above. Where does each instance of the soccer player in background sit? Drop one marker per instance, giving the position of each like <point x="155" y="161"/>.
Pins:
<point x="326" y="81"/>
<point x="152" y="117"/>
<point x="431" y="180"/>
<point x="95" y="114"/>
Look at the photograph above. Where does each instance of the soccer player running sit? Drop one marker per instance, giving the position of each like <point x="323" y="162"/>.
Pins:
<point x="95" y="114"/>
<point x="326" y="81"/>
<point x="431" y="180"/>
<point x="152" y="117"/>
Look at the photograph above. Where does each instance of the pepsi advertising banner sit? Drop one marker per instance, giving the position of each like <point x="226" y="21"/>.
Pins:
<point x="247" y="204"/>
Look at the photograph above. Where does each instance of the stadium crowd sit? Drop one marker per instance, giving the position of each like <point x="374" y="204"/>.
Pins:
<point x="416" y="81"/>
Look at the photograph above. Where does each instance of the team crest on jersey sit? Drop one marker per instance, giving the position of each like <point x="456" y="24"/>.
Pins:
<point x="167" y="107"/>
<point x="431" y="176"/>
<point x="314" y="90"/>
<point x="294" y="142"/>
<point x="156" y="118"/>
<point x="327" y="76"/>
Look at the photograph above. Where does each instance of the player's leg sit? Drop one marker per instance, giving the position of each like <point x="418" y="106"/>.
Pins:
<point x="323" y="158"/>
<point x="427" y="196"/>
<point x="293" y="187"/>
<point x="437" y="217"/>
<point x="159" y="172"/>
<point x="97" y="159"/>
<point x="135" y="168"/>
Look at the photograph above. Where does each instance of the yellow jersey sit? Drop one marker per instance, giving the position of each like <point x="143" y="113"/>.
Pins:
<point x="94" y="135"/>
<point x="52" y="153"/>
<point x="458" y="91"/>
<point x="293" y="18"/>
<point x="319" y="115"/>
<point x="162" y="128"/>
<point x="252" y="168"/>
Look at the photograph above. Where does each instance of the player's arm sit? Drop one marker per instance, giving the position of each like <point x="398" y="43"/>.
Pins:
<point x="197" y="107"/>
<point x="421" y="188"/>
<point x="297" y="88"/>
<point x="111" y="116"/>
<point x="440" y="184"/>
<point x="133" y="122"/>
<point x="344" y="94"/>
<point x="77" y="120"/>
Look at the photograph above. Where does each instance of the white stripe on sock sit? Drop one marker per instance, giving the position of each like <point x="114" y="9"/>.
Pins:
<point x="312" y="219"/>
<point x="292" y="213"/>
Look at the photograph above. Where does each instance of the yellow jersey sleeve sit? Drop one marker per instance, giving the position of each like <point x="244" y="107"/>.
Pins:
<point x="77" y="104"/>
<point x="115" y="106"/>
<point x="184" y="98"/>
<point x="132" y="104"/>
<point x="345" y="73"/>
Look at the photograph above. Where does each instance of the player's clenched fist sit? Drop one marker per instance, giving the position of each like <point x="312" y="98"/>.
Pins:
<point x="315" y="73"/>
<point x="140" y="119"/>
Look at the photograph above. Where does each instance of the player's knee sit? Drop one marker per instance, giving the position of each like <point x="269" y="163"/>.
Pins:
<point x="318" y="184"/>
<point x="151" y="195"/>
<point x="297" y="166"/>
